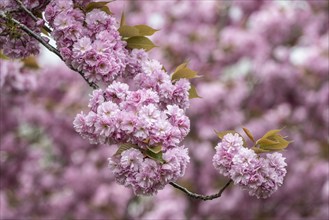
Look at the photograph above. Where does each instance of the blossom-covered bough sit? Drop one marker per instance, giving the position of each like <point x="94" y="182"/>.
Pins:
<point x="136" y="105"/>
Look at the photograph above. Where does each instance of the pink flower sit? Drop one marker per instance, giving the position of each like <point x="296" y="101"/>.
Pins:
<point x="82" y="46"/>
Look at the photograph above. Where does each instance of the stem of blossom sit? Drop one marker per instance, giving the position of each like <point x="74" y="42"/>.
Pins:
<point x="199" y="196"/>
<point x="44" y="43"/>
<point x="20" y="3"/>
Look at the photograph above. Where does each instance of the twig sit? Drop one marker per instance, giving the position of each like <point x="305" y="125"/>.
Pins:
<point x="26" y="10"/>
<point x="200" y="196"/>
<point x="20" y="3"/>
<point x="46" y="44"/>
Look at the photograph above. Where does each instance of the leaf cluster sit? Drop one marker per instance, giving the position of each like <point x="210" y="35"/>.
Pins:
<point x="135" y="36"/>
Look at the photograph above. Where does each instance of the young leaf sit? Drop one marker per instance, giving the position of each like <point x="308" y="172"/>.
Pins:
<point x="128" y="31"/>
<point x="155" y="149"/>
<point x="30" y="62"/>
<point x="122" y="148"/>
<point x="182" y="66"/>
<point x="154" y="156"/>
<point x="145" y="30"/>
<point x="266" y="142"/>
<point x="272" y="141"/>
<point x="183" y="72"/>
<point x="99" y="5"/>
<point x="140" y="42"/>
<point x="248" y="133"/>
<point x="123" y="19"/>
<point x="271" y="133"/>
<point x="259" y="151"/>
<point x="193" y="93"/>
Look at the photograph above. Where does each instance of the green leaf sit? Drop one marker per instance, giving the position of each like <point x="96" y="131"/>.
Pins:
<point x="259" y="151"/>
<point x="154" y="156"/>
<point x="272" y="141"/>
<point x="128" y="31"/>
<point x="123" y="147"/>
<point x="182" y="71"/>
<point x="280" y="145"/>
<point x="106" y="10"/>
<point x="193" y="93"/>
<point x="123" y="19"/>
<point x="248" y="133"/>
<point x="30" y="62"/>
<point x="266" y="142"/>
<point x="271" y="133"/>
<point x="140" y="42"/>
<point x="182" y="66"/>
<point x="155" y="149"/>
<point x="99" y="5"/>
<point x="145" y="30"/>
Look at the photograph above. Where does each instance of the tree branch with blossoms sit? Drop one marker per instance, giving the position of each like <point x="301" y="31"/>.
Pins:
<point x="142" y="109"/>
<point x="44" y="43"/>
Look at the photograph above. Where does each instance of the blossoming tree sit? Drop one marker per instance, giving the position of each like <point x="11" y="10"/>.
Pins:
<point x="136" y="106"/>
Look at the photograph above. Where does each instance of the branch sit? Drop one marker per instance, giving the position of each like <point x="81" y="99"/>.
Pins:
<point x="20" y="3"/>
<point x="26" y="10"/>
<point x="199" y="196"/>
<point x="46" y="44"/>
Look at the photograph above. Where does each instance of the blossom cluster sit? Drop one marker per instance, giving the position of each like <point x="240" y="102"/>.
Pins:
<point x="260" y="176"/>
<point x="14" y="42"/>
<point x="146" y="175"/>
<point x="146" y="112"/>
<point x="120" y="116"/>
<point x="87" y="41"/>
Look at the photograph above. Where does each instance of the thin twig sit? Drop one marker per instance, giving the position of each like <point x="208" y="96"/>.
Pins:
<point x="20" y="3"/>
<point x="32" y="34"/>
<point x="26" y="10"/>
<point x="46" y="44"/>
<point x="200" y="196"/>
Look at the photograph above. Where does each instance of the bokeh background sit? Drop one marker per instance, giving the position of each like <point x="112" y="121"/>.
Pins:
<point x="264" y="65"/>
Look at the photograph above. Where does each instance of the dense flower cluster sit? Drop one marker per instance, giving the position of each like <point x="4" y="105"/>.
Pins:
<point x="87" y="41"/>
<point x="14" y="42"/>
<point x="150" y="112"/>
<point x="15" y="78"/>
<point x="259" y="176"/>
<point x="146" y="176"/>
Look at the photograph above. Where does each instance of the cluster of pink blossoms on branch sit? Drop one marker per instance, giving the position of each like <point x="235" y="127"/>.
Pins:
<point x="87" y="41"/>
<point x="14" y="42"/>
<point x="148" y="114"/>
<point x="260" y="176"/>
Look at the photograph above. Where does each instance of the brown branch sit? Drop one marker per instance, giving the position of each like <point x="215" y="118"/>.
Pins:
<point x="200" y="196"/>
<point x="46" y="44"/>
<point x="20" y="3"/>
